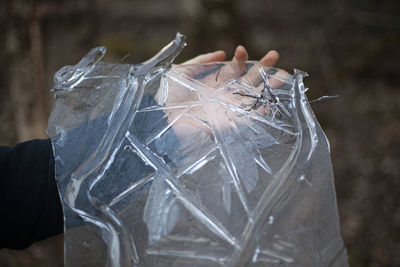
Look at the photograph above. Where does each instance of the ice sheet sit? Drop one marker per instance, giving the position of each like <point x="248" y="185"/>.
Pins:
<point x="191" y="165"/>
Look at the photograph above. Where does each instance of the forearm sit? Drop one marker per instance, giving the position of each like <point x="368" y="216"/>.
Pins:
<point x="30" y="206"/>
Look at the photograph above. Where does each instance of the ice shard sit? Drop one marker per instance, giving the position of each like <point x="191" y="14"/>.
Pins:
<point x="191" y="165"/>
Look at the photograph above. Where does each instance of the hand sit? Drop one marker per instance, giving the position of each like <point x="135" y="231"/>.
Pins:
<point x="239" y="59"/>
<point x="181" y="95"/>
<point x="240" y="56"/>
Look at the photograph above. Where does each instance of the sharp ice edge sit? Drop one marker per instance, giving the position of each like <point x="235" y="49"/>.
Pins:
<point x="154" y="216"/>
<point x="82" y="68"/>
<point x="91" y="58"/>
<point x="305" y="108"/>
<point x="108" y="164"/>
<point x="274" y="255"/>
<point x="130" y="189"/>
<point x="127" y="238"/>
<point x="260" y="161"/>
<point x="256" y="117"/>
<point x="164" y="58"/>
<point x="233" y="81"/>
<point x="123" y="95"/>
<point x="102" y="77"/>
<point x="182" y="105"/>
<point x="285" y="111"/>
<point x="157" y="135"/>
<point x="165" y="90"/>
<point x="324" y="97"/>
<point x="195" y="166"/>
<point x="278" y="92"/>
<point x="193" y="205"/>
<point x="200" y="212"/>
<point x="183" y="254"/>
<point x="264" y="76"/>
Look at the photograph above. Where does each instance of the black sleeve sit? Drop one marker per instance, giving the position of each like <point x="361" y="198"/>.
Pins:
<point x="30" y="207"/>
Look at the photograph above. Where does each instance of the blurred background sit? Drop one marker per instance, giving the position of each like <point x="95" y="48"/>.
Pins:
<point x="350" y="48"/>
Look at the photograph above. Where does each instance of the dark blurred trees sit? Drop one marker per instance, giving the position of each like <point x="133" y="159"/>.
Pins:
<point x="25" y="87"/>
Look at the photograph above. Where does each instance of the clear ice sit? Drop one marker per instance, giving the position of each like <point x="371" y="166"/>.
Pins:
<point x="216" y="164"/>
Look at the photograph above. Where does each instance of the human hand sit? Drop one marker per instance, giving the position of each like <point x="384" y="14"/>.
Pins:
<point x="240" y="56"/>
<point x="237" y="66"/>
<point x="181" y="96"/>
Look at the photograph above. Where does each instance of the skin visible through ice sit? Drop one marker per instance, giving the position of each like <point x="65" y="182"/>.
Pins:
<point x="215" y="164"/>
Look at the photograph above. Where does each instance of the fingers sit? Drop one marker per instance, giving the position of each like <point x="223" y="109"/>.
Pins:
<point x="207" y="58"/>
<point x="240" y="58"/>
<point x="240" y="55"/>
<point x="253" y="74"/>
<point x="270" y="59"/>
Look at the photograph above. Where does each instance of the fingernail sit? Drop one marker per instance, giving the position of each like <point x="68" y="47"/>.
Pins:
<point x="240" y="47"/>
<point x="270" y="52"/>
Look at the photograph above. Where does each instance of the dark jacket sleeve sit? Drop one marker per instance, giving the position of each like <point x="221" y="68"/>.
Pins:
<point x="30" y="207"/>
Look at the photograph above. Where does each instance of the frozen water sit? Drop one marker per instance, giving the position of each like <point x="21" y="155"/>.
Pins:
<point x="191" y="165"/>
